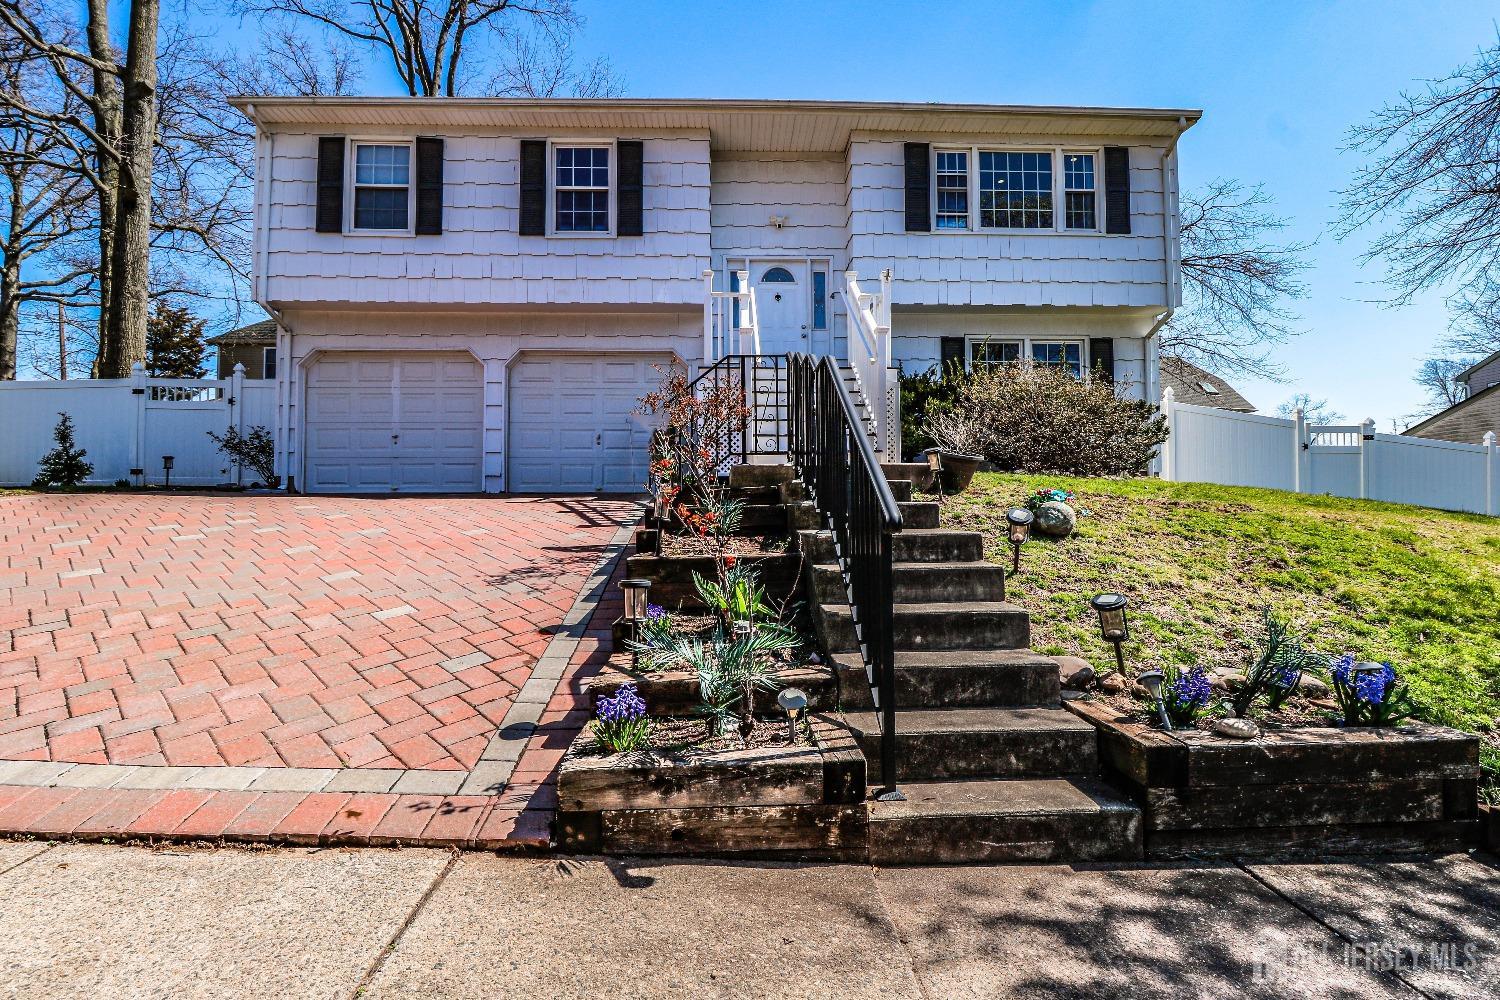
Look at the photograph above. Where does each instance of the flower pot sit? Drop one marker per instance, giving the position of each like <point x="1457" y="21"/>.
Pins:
<point x="957" y="468"/>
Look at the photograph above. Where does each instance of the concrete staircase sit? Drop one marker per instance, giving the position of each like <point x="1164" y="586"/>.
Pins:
<point x="992" y="767"/>
<point x="767" y="401"/>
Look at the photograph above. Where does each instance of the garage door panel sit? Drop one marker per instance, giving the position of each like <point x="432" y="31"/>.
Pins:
<point x="572" y="423"/>
<point x="394" y="421"/>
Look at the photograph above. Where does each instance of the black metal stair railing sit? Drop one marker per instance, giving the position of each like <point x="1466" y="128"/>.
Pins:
<point x="830" y="448"/>
<point x="761" y="381"/>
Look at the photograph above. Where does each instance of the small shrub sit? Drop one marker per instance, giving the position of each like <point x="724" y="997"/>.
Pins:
<point x="64" y="466"/>
<point x="620" y="723"/>
<point x="926" y="395"/>
<point x="1038" y="418"/>
<point x="255" y="451"/>
<point x="1279" y="666"/>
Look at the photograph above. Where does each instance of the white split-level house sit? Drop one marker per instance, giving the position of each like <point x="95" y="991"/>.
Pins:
<point x="472" y="294"/>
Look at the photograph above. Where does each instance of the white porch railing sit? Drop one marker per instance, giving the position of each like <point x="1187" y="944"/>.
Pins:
<point x="869" y="319"/>
<point x="722" y="336"/>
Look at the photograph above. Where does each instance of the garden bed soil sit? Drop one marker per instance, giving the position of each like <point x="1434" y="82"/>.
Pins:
<point x="1296" y="713"/>
<point x="734" y="545"/>
<point x="1293" y="791"/>
<point x="772" y="799"/>
<point x="670" y="693"/>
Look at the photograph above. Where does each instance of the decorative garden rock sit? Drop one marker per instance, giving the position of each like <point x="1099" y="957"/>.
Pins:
<point x="1114" y="684"/>
<point x="1075" y="673"/>
<point x="1237" y="729"/>
<point x="1314" y="687"/>
<point x="1056" y="519"/>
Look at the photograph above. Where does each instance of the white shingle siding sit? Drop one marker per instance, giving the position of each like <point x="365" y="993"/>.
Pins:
<point x="480" y="257"/>
<point x="1006" y="269"/>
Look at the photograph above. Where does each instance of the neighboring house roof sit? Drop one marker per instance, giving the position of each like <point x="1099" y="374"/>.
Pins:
<point x="263" y="332"/>
<point x="1191" y="384"/>
<point x="751" y="125"/>
<point x="1489" y="365"/>
<point x="1465" y="421"/>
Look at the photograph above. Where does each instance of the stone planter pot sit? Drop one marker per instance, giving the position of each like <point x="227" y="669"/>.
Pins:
<point x="804" y="801"/>
<point x="1293" y="792"/>
<point x="957" y="469"/>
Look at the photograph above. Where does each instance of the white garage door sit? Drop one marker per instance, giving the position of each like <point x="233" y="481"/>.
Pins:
<point x="384" y="422"/>
<point x="573" y="428"/>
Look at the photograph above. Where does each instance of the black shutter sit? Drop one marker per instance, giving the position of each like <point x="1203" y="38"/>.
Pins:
<point x="1117" y="189"/>
<point x="918" y="187"/>
<point x="630" y="213"/>
<point x="533" y="187"/>
<point x="429" y="186"/>
<point x="330" y="215"/>
<point x="952" y="352"/>
<point x="1102" y="358"/>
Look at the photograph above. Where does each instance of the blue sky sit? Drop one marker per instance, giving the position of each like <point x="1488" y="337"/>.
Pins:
<point x="1279" y="83"/>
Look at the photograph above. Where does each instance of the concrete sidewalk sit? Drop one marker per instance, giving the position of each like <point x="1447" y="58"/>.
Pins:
<point x="106" y="921"/>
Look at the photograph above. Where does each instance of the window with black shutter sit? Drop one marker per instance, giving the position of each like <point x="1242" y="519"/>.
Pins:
<point x="630" y="182"/>
<point x="918" y="187"/>
<point x="533" y="187"/>
<point x="1117" y="189"/>
<point x="429" y="186"/>
<point x="1102" y="358"/>
<point x="330" y="211"/>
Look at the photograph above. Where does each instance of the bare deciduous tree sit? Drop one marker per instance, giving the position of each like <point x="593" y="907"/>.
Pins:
<point x="447" y="47"/>
<point x="1314" y="411"/>
<point x="1432" y="183"/>
<point x="1437" y="377"/>
<point x="1237" y="281"/>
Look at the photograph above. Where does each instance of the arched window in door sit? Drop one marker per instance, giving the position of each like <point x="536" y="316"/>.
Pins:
<point x="780" y="274"/>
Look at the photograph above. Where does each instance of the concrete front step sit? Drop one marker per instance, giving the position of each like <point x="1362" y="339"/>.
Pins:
<point x="946" y="743"/>
<point x="980" y="625"/>
<point x="920" y="473"/>
<point x="1004" y="821"/>
<point x="957" y="679"/>
<point x="917" y="583"/>
<point x="918" y="514"/>
<point x="900" y="489"/>
<point x="760" y="475"/>
<point x="937" y="545"/>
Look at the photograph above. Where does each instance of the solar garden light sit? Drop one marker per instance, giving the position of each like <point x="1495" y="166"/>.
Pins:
<point x="793" y="702"/>
<point x="1151" y="680"/>
<point x="166" y="466"/>
<point x="1112" y="624"/>
<point x="1018" y="529"/>
<point x="628" y="628"/>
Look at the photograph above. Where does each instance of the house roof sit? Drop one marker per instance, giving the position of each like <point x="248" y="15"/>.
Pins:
<point x="263" y="332"/>
<point x="752" y="125"/>
<point x="1464" y="375"/>
<point x="1191" y="384"/>
<point x="1480" y="400"/>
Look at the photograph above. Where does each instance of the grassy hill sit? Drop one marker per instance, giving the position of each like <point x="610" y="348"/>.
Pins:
<point x="1418" y="588"/>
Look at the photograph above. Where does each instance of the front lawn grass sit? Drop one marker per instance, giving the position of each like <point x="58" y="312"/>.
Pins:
<point x="1419" y="588"/>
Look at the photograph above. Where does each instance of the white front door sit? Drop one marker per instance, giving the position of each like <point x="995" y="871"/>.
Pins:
<point x="782" y="308"/>
<point x="394" y="422"/>
<point x="573" y="425"/>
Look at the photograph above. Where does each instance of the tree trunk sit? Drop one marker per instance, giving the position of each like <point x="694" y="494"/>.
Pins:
<point x="10" y="318"/>
<point x="129" y="300"/>
<point x="106" y="109"/>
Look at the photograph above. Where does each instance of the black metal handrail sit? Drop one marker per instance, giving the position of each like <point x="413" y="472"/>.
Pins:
<point x="762" y="381"/>
<point x="828" y="444"/>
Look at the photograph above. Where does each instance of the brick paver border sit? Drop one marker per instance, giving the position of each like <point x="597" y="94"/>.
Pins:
<point x="506" y="800"/>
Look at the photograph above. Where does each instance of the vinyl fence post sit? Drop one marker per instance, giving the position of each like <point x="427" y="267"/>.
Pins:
<point x="1299" y="439"/>
<point x="1491" y="472"/>
<point x="138" y="437"/>
<point x="237" y="411"/>
<point x="1169" y="446"/>
<point x="1366" y="448"/>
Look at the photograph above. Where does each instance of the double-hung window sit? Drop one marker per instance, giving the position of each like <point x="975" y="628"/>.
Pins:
<point x="1079" y="192"/>
<point x="580" y="186"/>
<point x="382" y="186"/>
<point x="1015" y="190"/>
<point x="952" y="189"/>
<point x="1065" y="354"/>
<point x="993" y="352"/>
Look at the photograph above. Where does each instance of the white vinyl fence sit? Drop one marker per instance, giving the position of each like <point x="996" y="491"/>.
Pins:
<point x="128" y="425"/>
<point x="1207" y="445"/>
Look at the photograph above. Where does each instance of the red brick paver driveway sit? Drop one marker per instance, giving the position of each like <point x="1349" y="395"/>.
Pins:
<point x="265" y="632"/>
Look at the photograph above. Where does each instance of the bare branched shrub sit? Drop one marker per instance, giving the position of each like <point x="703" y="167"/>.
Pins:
<point x="1039" y="418"/>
